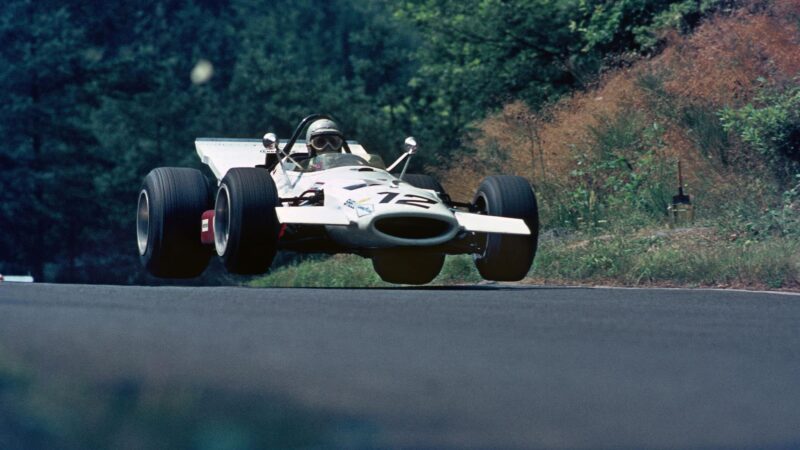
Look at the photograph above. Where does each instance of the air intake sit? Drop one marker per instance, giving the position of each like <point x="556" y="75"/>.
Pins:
<point x="412" y="227"/>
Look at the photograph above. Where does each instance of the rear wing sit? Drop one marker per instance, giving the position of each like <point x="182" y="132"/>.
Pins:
<point x="223" y="154"/>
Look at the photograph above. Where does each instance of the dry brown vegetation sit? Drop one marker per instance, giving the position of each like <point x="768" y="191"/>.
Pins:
<point x="721" y="64"/>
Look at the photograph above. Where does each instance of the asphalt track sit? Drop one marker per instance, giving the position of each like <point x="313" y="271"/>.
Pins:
<point x="486" y="367"/>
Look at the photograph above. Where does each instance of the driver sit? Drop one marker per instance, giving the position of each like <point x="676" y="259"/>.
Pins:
<point x="323" y="136"/>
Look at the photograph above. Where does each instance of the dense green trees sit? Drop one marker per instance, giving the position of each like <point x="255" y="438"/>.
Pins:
<point x="476" y="55"/>
<point x="96" y="94"/>
<point x="46" y="158"/>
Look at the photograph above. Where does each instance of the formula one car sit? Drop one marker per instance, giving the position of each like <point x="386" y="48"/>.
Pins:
<point x="276" y="195"/>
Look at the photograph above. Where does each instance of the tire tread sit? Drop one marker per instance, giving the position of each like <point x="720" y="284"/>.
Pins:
<point x="508" y="257"/>
<point x="178" y="197"/>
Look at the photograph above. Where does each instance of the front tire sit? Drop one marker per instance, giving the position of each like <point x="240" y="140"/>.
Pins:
<point x="168" y="222"/>
<point x="507" y="257"/>
<point x="407" y="266"/>
<point x="245" y="223"/>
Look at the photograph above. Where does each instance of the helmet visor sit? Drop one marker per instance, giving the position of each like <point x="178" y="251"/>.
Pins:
<point x="323" y="142"/>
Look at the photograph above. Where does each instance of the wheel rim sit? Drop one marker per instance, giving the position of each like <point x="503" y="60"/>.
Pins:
<point x="222" y="219"/>
<point x="143" y="222"/>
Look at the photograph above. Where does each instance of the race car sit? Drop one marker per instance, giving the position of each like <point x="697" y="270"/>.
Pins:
<point x="275" y="195"/>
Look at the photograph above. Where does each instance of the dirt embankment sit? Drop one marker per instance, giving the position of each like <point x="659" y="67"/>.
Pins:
<point x="722" y="64"/>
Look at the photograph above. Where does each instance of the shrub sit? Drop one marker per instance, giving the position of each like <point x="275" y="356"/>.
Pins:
<point x="680" y="16"/>
<point x="781" y="220"/>
<point x="623" y="169"/>
<point x="771" y="127"/>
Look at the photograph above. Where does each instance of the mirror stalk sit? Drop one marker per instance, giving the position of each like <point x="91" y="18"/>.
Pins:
<point x="405" y="166"/>
<point x="411" y="149"/>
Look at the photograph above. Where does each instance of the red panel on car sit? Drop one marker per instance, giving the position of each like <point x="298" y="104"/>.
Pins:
<point x="207" y="227"/>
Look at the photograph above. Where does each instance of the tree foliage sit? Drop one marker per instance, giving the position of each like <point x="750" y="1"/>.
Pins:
<point x="46" y="158"/>
<point x="97" y="94"/>
<point x="477" y="55"/>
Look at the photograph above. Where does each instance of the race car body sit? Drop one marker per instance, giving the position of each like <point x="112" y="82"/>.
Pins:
<point x="278" y="195"/>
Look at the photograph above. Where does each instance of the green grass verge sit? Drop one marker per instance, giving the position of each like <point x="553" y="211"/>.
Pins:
<point x="692" y="257"/>
<point x="685" y="257"/>
<point x="355" y="271"/>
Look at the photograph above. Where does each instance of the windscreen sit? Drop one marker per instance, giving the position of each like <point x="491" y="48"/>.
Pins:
<point x="327" y="161"/>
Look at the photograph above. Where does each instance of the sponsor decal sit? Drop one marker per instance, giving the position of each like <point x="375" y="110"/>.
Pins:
<point x="365" y="210"/>
<point x="205" y="225"/>
<point x="352" y="204"/>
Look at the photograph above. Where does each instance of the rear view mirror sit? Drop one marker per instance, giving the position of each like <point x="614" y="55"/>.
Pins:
<point x="411" y="145"/>
<point x="270" y="142"/>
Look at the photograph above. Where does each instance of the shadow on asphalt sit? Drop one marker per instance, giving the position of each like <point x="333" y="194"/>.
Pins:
<point x="482" y="287"/>
<point x="41" y="412"/>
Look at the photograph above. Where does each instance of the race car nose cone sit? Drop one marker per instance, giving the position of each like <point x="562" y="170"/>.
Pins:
<point x="412" y="227"/>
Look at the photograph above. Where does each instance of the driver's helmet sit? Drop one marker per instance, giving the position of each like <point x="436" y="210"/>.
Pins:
<point x="323" y="136"/>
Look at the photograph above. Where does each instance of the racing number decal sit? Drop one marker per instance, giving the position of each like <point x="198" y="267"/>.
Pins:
<point x="416" y="200"/>
<point x="408" y="199"/>
<point x="389" y="196"/>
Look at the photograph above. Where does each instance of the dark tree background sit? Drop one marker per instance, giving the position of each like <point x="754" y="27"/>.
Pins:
<point x="95" y="94"/>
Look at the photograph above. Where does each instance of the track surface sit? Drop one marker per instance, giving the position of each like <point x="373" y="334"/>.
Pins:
<point x="489" y="366"/>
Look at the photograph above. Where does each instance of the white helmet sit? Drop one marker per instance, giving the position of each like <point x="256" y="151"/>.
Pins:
<point x="323" y="135"/>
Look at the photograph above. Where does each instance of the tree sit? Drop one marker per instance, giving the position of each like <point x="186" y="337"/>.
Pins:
<point x="476" y="55"/>
<point x="45" y="167"/>
<point x="148" y="113"/>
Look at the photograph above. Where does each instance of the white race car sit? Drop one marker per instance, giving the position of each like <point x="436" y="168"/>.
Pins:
<point x="274" y="195"/>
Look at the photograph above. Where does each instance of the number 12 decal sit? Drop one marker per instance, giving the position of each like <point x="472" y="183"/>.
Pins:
<point x="408" y="199"/>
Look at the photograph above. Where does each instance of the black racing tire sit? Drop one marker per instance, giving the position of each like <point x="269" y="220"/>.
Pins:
<point x="424" y="182"/>
<point x="168" y="222"/>
<point x="507" y="257"/>
<point x="407" y="266"/>
<point x="245" y="223"/>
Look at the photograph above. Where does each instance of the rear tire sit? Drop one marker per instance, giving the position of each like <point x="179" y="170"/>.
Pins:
<point x="168" y="222"/>
<point x="245" y="223"/>
<point x="407" y="266"/>
<point x="507" y="257"/>
<point x="424" y="182"/>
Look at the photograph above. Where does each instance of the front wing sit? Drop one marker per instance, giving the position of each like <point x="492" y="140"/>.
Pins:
<point x="479" y="223"/>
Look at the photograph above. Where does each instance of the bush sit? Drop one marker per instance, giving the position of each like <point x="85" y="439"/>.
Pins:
<point x="782" y="220"/>
<point x="771" y="128"/>
<point x="680" y="16"/>
<point x="622" y="173"/>
<point x="639" y="24"/>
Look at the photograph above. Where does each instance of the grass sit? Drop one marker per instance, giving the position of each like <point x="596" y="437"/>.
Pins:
<point x="354" y="271"/>
<point x="653" y="256"/>
<point x="691" y="257"/>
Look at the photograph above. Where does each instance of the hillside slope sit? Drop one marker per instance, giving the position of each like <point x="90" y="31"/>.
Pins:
<point x="723" y="101"/>
<point x="726" y="62"/>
